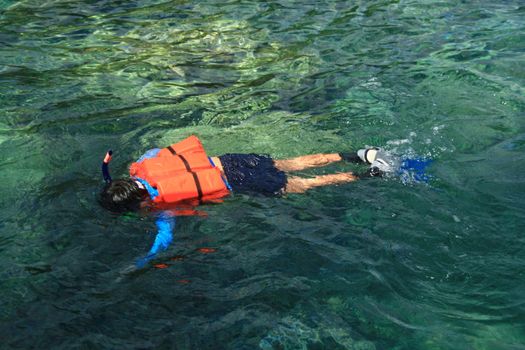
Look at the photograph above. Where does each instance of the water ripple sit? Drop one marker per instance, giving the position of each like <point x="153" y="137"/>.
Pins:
<point x="369" y="265"/>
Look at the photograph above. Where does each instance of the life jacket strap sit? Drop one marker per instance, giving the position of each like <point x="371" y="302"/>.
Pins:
<point x="195" y="177"/>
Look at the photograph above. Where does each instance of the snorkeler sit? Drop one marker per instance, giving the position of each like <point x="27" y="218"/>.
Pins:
<point x="183" y="175"/>
<point x="182" y="172"/>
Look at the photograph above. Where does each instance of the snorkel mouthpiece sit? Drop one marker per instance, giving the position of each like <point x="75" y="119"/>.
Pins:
<point x="105" y="167"/>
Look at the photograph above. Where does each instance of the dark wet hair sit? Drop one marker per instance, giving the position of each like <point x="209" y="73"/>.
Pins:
<point x="122" y="195"/>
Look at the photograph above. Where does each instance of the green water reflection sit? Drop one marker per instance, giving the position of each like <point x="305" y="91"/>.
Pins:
<point x="371" y="265"/>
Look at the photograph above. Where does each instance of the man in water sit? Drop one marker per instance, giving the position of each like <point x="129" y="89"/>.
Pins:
<point x="182" y="172"/>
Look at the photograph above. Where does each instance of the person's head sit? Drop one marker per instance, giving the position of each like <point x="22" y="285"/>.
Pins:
<point x="122" y="195"/>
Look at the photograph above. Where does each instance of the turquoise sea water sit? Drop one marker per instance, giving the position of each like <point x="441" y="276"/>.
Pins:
<point x="378" y="264"/>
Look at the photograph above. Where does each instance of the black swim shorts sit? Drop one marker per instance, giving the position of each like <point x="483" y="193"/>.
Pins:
<point x="253" y="173"/>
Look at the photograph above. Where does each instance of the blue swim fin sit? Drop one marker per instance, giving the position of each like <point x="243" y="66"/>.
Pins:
<point x="415" y="169"/>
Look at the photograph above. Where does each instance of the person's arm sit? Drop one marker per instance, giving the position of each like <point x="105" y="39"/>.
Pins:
<point x="165" y="228"/>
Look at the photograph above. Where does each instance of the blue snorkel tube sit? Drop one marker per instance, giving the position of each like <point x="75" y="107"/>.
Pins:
<point x="105" y="167"/>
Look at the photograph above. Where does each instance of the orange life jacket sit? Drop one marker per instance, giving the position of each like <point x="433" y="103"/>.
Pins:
<point x="181" y="172"/>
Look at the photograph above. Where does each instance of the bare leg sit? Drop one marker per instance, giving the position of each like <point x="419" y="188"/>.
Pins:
<point x="305" y="162"/>
<point x="299" y="184"/>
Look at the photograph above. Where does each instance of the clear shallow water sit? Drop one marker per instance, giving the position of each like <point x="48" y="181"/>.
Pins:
<point x="369" y="265"/>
